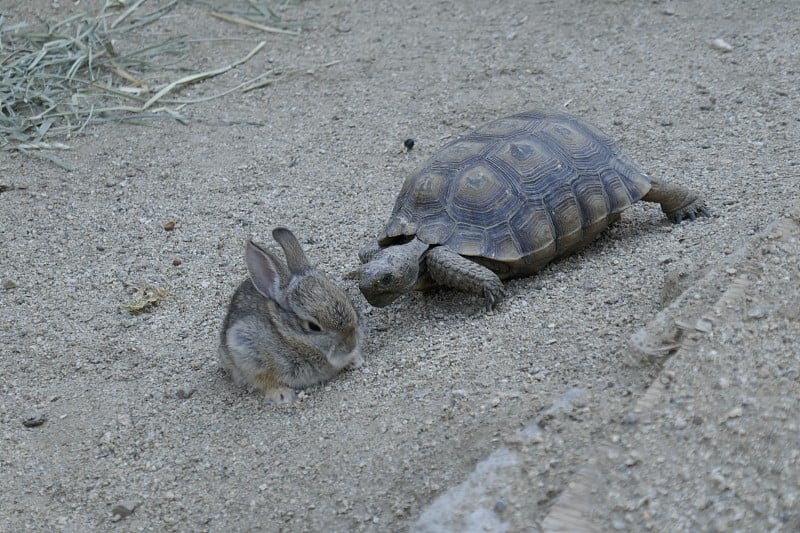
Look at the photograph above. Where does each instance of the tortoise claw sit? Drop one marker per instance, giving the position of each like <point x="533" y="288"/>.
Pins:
<point x="493" y="293"/>
<point x="368" y="251"/>
<point x="690" y="213"/>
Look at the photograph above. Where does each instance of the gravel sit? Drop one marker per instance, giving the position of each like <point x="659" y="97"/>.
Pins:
<point x="143" y="430"/>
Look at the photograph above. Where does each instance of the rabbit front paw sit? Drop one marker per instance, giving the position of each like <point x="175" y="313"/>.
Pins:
<point x="355" y="363"/>
<point x="280" y="395"/>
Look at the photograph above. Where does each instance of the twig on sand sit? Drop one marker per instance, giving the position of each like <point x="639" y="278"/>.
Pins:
<point x="245" y="22"/>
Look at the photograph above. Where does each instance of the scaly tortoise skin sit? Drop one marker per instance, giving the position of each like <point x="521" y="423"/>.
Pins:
<point x="505" y="200"/>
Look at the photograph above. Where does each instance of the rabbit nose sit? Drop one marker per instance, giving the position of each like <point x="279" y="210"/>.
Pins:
<point x="345" y="355"/>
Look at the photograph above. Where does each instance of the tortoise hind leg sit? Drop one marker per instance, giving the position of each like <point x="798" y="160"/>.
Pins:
<point x="677" y="202"/>
<point x="452" y="270"/>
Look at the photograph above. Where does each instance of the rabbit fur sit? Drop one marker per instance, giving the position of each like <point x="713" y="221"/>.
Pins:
<point x="287" y="327"/>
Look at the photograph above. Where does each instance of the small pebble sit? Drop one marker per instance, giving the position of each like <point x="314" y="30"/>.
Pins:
<point x="736" y="412"/>
<point x="704" y="326"/>
<point x="409" y="144"/>
<point x="9" y="284"/>
<point x="632" y="460"/>
<point x="721" y="45"/>
<point x="756" y="312"/>
<point x="499" y="506"/>
<point x="124" y="508"/>
<point x="169" y="225"/>
<point x="31" y="420"/>
<point x="185" y="392"/>
<point x="631" y="419"/>
<point x="176" y="262"/>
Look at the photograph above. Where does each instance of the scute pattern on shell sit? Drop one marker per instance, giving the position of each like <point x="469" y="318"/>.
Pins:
<point x="533" y="185"/>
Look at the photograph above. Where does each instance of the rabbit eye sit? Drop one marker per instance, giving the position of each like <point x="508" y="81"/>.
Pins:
<point x="313" y="326"/>
<point x="386" y="279"/>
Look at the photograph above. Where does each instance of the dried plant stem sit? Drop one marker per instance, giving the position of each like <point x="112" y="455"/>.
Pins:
<point x="57" y="81"/>
<point x="201" y="76"/>
<point x="244" y="22"/>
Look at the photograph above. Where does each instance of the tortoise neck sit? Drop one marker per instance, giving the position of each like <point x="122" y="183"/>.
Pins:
<point x="418" y="249"/>
<point x="415" y="248"/>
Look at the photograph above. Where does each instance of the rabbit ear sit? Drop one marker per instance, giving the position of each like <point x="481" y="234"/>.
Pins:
<point x="266" y="272"/>
<point x="295" y="257"/>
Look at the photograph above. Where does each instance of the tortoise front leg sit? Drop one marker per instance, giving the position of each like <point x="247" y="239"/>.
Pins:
<point x="677" y="202"/>
<point x="368" y="251"/>
<point x="452" y="270"/>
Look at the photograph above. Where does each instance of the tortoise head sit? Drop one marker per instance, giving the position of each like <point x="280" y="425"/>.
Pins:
<point x="391" y="272"/>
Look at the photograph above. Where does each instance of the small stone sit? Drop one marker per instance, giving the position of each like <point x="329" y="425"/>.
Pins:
<point x="736" y="412"/>
<point x="756" y="312"/>
<point x="499" y="506"/>
<point x="633" y="459"/>
<point x="185" y="392"/>
<point x="721" y="44"/>
<point x="31" y="420"/>
<point x="124" y="508"/>
<point x="177" y="262"/>
<point x="9" y="284"/>
<point x="169" y="225"/>
<point x="703" y="325"/>
<point x="631" y="419"/>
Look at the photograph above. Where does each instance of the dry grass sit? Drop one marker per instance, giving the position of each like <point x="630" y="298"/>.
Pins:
<point x="57" y="81"/>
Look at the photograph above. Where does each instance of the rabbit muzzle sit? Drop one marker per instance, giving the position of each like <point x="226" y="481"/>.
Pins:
<point x="347" y="353"/>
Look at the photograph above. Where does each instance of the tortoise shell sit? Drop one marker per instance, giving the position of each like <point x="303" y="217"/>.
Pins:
<point x="519" y="190"/>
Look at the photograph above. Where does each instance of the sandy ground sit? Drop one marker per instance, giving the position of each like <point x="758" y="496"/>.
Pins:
<point x="142" y="430"/>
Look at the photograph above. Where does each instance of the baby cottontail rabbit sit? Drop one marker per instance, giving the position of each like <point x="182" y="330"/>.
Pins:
<point x="287" y="327"/>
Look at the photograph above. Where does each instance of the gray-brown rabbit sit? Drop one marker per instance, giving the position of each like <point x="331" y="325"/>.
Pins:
<point x="288" y="327"/>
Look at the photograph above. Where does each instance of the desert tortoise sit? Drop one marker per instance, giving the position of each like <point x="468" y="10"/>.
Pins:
<point x="503" y="201"/>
